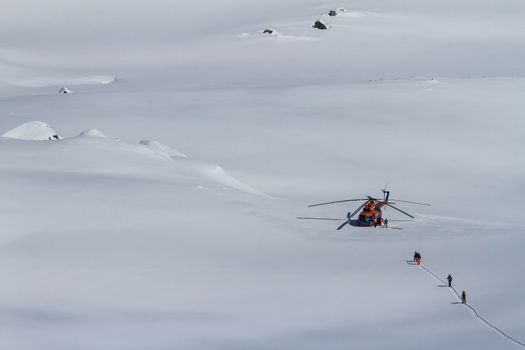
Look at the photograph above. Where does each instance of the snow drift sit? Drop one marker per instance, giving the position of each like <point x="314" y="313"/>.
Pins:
<point x="162" y="149"/>
<point x="93" y="133"/>
<point x="35" y="130"/>
<point x="110" y="245"/>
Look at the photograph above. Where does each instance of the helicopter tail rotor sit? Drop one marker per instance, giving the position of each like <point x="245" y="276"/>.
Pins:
<point x="386" y="193"/>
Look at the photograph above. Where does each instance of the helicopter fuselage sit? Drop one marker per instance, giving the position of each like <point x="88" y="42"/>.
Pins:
<point x="370" y="215"/>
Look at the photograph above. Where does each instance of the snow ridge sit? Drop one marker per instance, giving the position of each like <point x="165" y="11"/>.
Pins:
<point x="35" y="130"/>
<point x="38" y="130"/>
<point x="162" y="149"/>
<point x="93" y="133"/>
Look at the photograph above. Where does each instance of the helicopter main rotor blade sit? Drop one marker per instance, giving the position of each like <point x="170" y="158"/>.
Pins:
<point x="344" y="223"/>
<point x="308" y="218"/>
<point x="403" y="201"/>
<point x="341" y="201"/>
<point x="404" y="212"/>
<point x="357" y="210"/>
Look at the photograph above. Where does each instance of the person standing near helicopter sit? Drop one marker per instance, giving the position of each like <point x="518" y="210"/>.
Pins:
<point x="378" y="222"/>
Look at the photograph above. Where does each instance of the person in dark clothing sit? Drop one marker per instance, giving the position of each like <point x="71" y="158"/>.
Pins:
<point x="415" y="255"/>
<point x="463" y="297"/>
<point x="449" y="279"/>
<point x="418" y="259"/>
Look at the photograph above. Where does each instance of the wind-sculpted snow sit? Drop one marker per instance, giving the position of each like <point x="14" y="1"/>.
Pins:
<point x="35" y="130"/>
<point x="191" y="242"/>
<point x="60" y="81"/>
<point x="97" y="154"/>
<point x="162" y="149"/>
<point x="277" y="36"/>
<point x="93" y="133"/>
<point x="210" y="171"/>
<point x="218" y="174"/>
<point x="104" y="234"/>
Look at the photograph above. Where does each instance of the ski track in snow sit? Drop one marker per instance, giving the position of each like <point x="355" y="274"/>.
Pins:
<point x="472" y="308"/>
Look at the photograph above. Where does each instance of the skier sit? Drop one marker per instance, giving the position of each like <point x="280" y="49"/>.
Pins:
<point x="386" y="223"/>
<point x="418" y="259"/>
<point x="449" y="279"/>
<point x="415" y="255"/>
<point x="463" y="297"/>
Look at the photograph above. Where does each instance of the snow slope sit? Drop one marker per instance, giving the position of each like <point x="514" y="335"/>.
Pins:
<point x="34" y="130"/>
<point x="192" y="242"/>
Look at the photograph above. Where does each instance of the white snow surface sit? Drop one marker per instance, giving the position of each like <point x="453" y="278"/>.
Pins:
<point x="119" y="244"/>
<point x="93" y="133"/>
<point x="162" y="148"/>
<point x="35" y="130"/>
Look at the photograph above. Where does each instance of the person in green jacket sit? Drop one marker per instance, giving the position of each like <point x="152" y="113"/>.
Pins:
<point x="464" y="297"/>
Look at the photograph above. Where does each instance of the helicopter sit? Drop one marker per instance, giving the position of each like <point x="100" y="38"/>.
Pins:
<point x="371" y="211"/>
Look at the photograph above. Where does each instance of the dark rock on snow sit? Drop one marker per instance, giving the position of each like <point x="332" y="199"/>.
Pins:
<point x="320" y="25"/>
